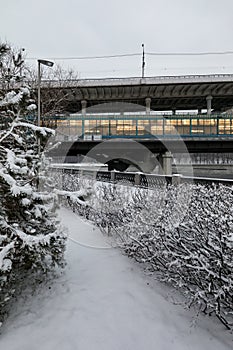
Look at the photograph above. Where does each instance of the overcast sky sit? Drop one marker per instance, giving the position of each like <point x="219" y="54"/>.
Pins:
<point x="73" y="28"/>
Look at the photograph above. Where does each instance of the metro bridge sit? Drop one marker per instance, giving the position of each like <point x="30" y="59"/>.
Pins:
<point x="149" y="110"/>
<point x="83" y="135"/>
<point x="141" y="107"/>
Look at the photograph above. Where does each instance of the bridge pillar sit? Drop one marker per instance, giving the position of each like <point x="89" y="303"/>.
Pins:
<point x="113" y="176"/>
<point x="208" y="100"/>
<point x="84" y="107"/>
<point x="148" y="103"/>
<point x="166" y="163"/>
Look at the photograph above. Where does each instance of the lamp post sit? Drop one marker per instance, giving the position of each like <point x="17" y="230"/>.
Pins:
<point x="143" y="61"/>
<point x="45" y="63"/>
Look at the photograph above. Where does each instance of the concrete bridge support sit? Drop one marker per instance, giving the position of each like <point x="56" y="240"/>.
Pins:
<point x="165" y="161"/>
<point x="148" y="103"/>
<point x="84" y="107"/>
<point x="209" y="104"/>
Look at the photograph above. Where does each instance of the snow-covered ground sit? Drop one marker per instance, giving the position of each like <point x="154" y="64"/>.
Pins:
<point x="104" y="301"/>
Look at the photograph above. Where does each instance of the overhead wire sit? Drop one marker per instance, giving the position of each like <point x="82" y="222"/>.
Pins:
<point x="88" y="57"/>
<point x="207" y="53"/>
<point x="189" y="53"/>
<point x="148" y="54"/>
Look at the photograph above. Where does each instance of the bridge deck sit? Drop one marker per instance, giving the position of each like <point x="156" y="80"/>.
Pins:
<point x="165" y="92"/>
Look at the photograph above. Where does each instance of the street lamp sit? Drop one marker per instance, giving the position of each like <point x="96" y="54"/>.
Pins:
<point x="45" y="63"/>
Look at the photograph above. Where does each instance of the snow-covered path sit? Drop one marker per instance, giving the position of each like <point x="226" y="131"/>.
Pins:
<point x="104" y="301"/>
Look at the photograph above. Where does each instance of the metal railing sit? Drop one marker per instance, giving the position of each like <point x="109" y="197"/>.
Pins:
<point x="71" y="176"/>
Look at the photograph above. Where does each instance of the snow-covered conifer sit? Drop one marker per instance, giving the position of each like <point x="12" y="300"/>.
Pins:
<point x="31" y="238"/>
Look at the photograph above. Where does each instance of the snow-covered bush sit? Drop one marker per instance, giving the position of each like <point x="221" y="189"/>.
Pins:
<point x="30" y="236"/>
<point x="97" y="201"/>
<point x="196" y="254"/>
<point x="182" y="233"/>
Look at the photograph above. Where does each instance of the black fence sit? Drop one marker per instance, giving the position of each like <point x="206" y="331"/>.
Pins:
<point x="70" y="176"/>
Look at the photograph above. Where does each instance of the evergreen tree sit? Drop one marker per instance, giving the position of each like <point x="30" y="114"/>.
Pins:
<point x="31" y="238"/>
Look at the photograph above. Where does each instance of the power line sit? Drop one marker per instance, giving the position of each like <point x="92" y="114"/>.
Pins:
<point x="189" y="53"/>
<point x="88" y="57"/>
<point x="139" y="54"/>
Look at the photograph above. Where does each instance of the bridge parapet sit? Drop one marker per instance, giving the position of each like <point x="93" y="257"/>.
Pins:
<point x="201" y="78"/>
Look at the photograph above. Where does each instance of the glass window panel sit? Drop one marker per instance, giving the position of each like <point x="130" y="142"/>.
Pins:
<point x="169" y="127"/>
<point x="120" y="127"/>
<point x="113" y="128"/>
<point x="144" y="127"/>
<point x="104" y="127"/>
<point x="156" y="126"/>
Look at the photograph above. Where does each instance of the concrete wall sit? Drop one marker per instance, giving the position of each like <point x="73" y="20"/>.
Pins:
<point x="209" y="170"/>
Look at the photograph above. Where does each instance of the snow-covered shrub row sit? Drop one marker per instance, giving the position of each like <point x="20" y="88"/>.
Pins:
<point x="91" y="198"/>
<point x="80" y="194"/>
<point x="70" y="191"/>
<point x="195" y="254"/>
<point x="184" y="233"/>
<point x="107" y="205"/>
<point x="30" y="236"/>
